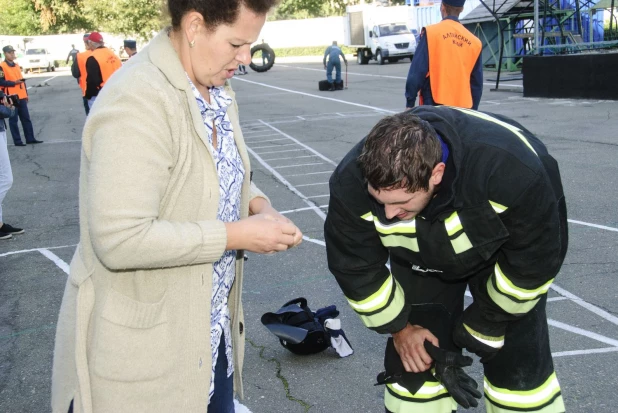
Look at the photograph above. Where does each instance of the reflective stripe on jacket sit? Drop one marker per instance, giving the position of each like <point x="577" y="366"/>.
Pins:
<point x="453" y="52"/>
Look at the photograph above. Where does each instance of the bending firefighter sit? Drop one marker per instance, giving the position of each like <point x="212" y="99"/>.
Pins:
<point x="455" y="199"/>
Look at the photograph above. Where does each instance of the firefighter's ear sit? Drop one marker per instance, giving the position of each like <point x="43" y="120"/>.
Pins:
<point x="437" y="174"/>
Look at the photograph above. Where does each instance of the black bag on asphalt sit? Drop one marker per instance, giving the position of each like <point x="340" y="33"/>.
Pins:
<point x="324" y="85"/>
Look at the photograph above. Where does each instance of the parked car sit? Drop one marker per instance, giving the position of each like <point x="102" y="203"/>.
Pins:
<point x="37" y="58"/>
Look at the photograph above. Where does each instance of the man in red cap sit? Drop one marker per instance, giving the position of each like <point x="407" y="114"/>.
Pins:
<point x="447" y="67"/>
<point x="100" y="65"/>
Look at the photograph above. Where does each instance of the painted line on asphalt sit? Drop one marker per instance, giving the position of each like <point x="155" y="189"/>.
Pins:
<point x="588" y="224"/>
<point x="584" y="352"/>
<point x="45" y="81"/>
<point x="310" y="149"/>
<point x="4" y="254"/>
<point x="297" y="165"/>
<point x="291" y="187"/>
<point x="371" y="75"/>
<point x="316" y="96"/>
<point x="55" y="259"/>
<point x="591" y="307"/>
<point x="582" y="332"/>
<point x="291" y="211"/>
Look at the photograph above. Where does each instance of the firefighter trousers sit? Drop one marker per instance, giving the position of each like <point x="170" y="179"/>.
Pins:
<point x="520" y="378"/>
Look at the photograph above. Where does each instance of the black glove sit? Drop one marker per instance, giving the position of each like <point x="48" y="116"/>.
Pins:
<point x="468" y="334"/>
<point x="449" y="371"/>
<point x="394" y="372"/>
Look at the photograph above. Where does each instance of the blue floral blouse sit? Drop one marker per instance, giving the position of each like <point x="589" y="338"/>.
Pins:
<point x="231" y="174"/>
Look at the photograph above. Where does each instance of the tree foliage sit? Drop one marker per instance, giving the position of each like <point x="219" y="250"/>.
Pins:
<point x="128" y="17"/>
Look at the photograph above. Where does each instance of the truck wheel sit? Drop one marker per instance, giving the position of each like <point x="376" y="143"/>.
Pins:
<point x="48" y="67"/>
<point x="265" y="55"/>
<point x="53" y="68"/>
<point x="359" y="58"/>
<point x="379" y="57"/>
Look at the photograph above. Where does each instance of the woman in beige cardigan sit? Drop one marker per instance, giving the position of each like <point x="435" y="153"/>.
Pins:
<point x="152" y="305"/>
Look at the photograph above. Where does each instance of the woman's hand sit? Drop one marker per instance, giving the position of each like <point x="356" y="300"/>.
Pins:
<point x="262" y="206"/>
<point x="263" y="234"/>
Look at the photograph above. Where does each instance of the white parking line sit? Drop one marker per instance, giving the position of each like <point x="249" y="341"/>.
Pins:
<point x="319" y="183"/>
<point x="273" y="146"/>
<point x="582" y="332"/>
<point x="56" y="260"/>
<point x="370" y="75"/>
<point x="289" y="150"/>
<point x="269" y="140"/>
<point x="291" y="187"/>
<point x="602" y="313"/>
<point x="310" y="149"/>
<point x="312" y="173"/>
<point x="290" y="211"/>
<point x="4" y="254"/>
<point x="572" y="221"/>
<point x="290" y="157"/>
<point x="582" y="352"/>
<point x="300" y="164"/>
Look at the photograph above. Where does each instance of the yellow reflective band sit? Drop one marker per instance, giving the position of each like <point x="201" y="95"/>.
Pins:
<point x="508" y="305"/>
<point x="367" y="217"/>
<point x="387" y="314"/>
<point x="507" y="287"/>
<point x="441" y="402"/>
<point x="508" y="126"/>
<point x="494" y="342"/>
<point x="497" y="207"/>
<point x="375" y="300"/>
<point x="461" y="243"/>
<point x="430" y="389"/>
<point x="400" y="241"/>
<point x="526" y="399"/>
<point x="453" y="224"/>
<point x="402" y="227"/>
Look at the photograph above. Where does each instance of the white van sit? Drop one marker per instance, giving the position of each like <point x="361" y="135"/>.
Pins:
<point x="37" y="58"/>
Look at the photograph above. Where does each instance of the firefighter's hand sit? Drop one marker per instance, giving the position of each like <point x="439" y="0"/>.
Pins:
<point x="449" y="371"/>
<point x="409" y="345"/>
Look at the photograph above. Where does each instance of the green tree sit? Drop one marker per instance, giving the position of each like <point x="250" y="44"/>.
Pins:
<point x="128" y="17"/>
<point x="19" y="17"/>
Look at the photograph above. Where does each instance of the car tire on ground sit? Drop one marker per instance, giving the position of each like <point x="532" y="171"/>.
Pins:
<point x="269" y="62"/>
<point x="379" y="57"/>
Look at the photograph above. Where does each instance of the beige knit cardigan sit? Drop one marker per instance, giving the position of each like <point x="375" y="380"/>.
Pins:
<point x="133" y="332"/>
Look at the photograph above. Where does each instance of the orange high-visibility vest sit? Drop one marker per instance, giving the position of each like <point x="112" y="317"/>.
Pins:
<point x="108" y="62"/>
<point x="453" y="52"/>
<point x="14" y="74"/>
<point x="81" y="64"/>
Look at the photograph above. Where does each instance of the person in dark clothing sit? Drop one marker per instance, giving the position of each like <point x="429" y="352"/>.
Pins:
<point x="13" y="83"/>
<point x="447" y="67"/>
<point x="79" y="66"/>
<point x="332" y="53"/>
<point x="72" y="54"/>
<point x="130" y="48"/>
<point x="100" y="65"/>
<point x="436" y="200"/>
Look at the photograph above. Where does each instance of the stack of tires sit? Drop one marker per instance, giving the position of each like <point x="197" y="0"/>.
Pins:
<point x="324" y="85"/>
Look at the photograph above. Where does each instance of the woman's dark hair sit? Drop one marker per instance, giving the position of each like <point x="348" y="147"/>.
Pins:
<point x="216" y="12"/>
<point x="400" y="151"/>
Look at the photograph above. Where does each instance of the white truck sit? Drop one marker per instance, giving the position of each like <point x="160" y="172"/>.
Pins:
<point x="37" y="58"/>
<point x="386" y="33"/>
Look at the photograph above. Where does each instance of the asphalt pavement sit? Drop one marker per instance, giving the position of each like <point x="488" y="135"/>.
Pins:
<point x="296" y="135"/>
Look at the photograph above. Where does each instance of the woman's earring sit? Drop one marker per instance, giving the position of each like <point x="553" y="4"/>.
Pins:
<point x="192" y="44"/>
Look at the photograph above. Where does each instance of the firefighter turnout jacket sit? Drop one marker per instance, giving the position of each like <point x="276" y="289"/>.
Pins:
<point x="498" y="221"/>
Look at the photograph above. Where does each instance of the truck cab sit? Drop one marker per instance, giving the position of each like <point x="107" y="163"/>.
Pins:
<point x="391" y="42"/>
